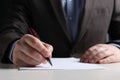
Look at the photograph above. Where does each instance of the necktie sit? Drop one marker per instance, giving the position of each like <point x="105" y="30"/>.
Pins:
<point x="70" y="13"/>
<point x="73" y="10"/>
<point x="69" y="6"/>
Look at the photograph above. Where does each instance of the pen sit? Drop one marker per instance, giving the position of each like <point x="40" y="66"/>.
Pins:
<point x="33" y="32"/>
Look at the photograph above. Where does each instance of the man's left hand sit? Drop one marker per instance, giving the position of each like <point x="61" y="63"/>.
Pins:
<point x="101" y="53"/>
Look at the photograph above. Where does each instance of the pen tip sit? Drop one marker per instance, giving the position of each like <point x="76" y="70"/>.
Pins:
<point x="50" y="63"/>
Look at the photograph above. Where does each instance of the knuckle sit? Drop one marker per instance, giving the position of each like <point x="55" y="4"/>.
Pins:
<point x="99" y="55"/>
<point x="90" y="50"/>
<point x="28" y="38"/>
<point x="99" y="45"/>
<point x="43" y="50"/>
<point x="51" y="47"/>
<point x="34" y="42"/>
<point x="25" y="36"/>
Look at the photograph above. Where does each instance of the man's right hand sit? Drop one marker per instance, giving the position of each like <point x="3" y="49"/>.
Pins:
<point x="29" y="51"/>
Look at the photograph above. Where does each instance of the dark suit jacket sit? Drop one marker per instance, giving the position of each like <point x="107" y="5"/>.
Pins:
<point x="49" y="21"/>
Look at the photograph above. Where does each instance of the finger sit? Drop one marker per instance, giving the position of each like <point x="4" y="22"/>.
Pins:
<point x="110" y="59"/>
<point x="31" y="52"/>
<point x="44" y="62"/>
<point x="20" y="59"/>
<point x="49" y="47"/>
<point x="21" y="63"/>
<point x="36" y="44"/>
<point x="97" y="53"/>
<point x="89" y="54"/>
<point x="84" y="57"/>
<point x="107" y="60"/>
<point x="92" y="54"/>
<point x="95" y="50"/>
<point x="101" y="55"/>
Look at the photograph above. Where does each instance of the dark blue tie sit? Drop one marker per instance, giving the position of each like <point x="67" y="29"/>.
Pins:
<point x="73" y="10"/>
<point x="69" y="9"/>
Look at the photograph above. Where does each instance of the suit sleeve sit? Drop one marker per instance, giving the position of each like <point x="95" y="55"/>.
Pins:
<point x="114" y="30"/>
<point x="13" y="26"/>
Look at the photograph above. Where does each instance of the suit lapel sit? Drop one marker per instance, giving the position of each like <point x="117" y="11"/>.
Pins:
<point x="57" y="7"/>
<point x="89" y="4"/>
<point x="93" y="8"/>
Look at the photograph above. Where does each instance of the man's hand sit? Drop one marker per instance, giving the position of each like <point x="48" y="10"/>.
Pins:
<point x="29" y="51"/>
<point x="101" y="53"/>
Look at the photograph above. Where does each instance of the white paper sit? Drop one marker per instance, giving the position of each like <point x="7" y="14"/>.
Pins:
<point x="65" y="64"/>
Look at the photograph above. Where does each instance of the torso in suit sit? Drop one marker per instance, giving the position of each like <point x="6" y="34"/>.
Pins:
<point x="48" y="19"/>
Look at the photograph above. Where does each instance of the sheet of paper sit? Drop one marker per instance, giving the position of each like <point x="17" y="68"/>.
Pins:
<point x="65" y="64"/>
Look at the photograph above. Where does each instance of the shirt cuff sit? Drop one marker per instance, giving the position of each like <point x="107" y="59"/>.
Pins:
<point x="11" y="51"/>
<point x="117" y="45"/>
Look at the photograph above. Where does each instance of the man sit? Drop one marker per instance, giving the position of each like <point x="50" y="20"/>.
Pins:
<point x="66" y="28"/>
